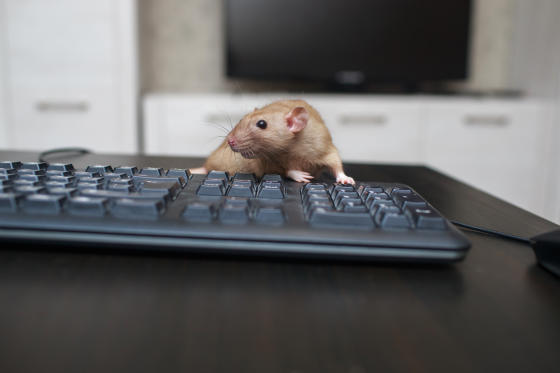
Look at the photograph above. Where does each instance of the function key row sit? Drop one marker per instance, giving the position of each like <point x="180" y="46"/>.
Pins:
<point x="218" y="183"/>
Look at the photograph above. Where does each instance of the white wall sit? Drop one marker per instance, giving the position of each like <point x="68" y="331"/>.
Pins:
<point x="3" y="86"/>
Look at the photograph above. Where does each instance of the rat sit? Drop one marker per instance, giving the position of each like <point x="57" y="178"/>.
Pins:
<point x="286" y="137"/>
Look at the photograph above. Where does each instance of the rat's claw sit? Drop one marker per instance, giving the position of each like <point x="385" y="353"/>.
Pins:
<point x="299" y="176"/>
<point x="343" y="179"/>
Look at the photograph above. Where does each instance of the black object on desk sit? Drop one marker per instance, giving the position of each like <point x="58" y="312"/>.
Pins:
<point x="494" y="311"/>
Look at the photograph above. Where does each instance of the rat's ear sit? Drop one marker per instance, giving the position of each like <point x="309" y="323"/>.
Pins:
<point x="297" y="119"/>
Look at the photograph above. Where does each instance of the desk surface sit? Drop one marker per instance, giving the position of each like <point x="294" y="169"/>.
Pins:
<point x="495" y="311"/>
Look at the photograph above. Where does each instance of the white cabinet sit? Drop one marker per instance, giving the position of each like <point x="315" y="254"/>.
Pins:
<point x="72" y="74"/>
<point x="494" y="145"/>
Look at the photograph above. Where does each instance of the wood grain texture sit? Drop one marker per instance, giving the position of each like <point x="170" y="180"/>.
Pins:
<point x="113" y="312"/>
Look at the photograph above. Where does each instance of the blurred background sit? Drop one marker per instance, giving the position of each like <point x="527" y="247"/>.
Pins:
<point x="469" y="87"/>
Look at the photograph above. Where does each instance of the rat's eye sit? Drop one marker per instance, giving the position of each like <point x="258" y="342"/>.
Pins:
<point x="261" y="124"/>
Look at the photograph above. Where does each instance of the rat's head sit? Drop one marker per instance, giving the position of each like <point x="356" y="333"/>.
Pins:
<point x="268" y="131"/>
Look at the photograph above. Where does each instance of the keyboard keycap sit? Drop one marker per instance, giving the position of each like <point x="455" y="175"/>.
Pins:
<point x="10" y="164"/>
<point x="210" y="190"/>
<point x="163" y="189"/>
<point x="271" y="177"/>
<point x="178" y="172"/>
<point x="425" y="218"/>
<point x="133" y="208"/>
<point x="233" y="214"/>
<point x="100" y="169"/>
<point x="270" y="215"/>
<point x="245" y="176"/>
<point x="151" y="171"/>
<point x="43" y="204"/>
<point x="60" y="167"/>
<point x="199" y="211"/>
<point x="408" y="199"/>
<point x="68" y="192"/>
<point x="9" y="202"/>
<point x="28" y="189"/>
<point x="218" y="175"/>
<point x="34" y="166"/>
<point x="324" y="217"/>
<point x="240" y="189"/>
<point x="86" y="206"/>
<point x="128" y="170"/>
<point x="271" y="190"/>
<point x="389" y="218"/>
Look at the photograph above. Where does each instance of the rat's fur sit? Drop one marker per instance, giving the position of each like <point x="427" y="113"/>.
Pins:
<point x="296" y="143"/>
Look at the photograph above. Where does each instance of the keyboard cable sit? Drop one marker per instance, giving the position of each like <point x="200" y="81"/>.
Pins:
<point x="491" y="232"/>
<point x="69" y="151"/>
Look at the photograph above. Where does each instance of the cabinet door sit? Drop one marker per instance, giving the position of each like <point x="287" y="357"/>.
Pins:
<point x="495" y="146"/>
<point x="376" y="130"/>
<point x="67" y="75"/>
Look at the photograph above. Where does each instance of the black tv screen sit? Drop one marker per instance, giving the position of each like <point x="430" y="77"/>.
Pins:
<point x="397" y="41"/>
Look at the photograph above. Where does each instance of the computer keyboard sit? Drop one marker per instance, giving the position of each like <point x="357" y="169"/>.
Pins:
<point x="156" y="209"/>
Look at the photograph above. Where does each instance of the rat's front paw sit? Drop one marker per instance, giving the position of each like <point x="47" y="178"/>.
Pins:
<point x="299" y="176"/>
<point x="343" y="179"/>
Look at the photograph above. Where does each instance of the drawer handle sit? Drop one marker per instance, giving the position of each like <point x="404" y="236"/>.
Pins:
<point x="46" y="106"/>
<point x="369" y="119"/>
<point x="486" y="120"/>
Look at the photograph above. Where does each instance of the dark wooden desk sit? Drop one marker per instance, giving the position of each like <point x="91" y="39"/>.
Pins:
<point x="111" y="312"/>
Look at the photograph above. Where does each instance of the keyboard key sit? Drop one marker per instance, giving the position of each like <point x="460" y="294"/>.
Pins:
<point x="114" y="195"/>
<point x="354" y="196"/>
<point x="425" y="218"/>
<point x="364" y="189"/>
<point x="210" y="190"/>
<point x="10" y="164"/>
<point x="51" y="173"/>
<point x="178" y="172"/>
<point x="27" y="171"/>
<point x="388" y="218"/>
<point x="68" y="192"/>
<point x="325" y="217"/>
<point x="34" y="166"/>
<point x="245" y="176"/>
<point x="8" y="171"/>
<point x="28" y="189"/>
<point x="240" y="189"/>
<point x="232" y="214"/>
<point x="271" y="177"/>
<point x="82" y="174"/>
<point x="400" y="190"/>
<point x="100" y="169"/>
<point x="22" y="182"/>
<point x="270" y="215"/>
<point x="43" y="204"/>
<point x="199" y="211"/>
<point x="39" y="178"/>
<point x="9" y="202"/>
<point x="408" y="200"/>
<point x="151" y="171"/>
<point x="218" y="175"/>
<point x="63" y="179"/>
<point x="54" y="184"/>
<point x="128" y="170"/>
<point x="271" y="190"/>
<point x="142" y="178"/>
<point x="134" y="208"/>
<point x="163" y="189"/>
<point x="60" y="167"/>
<point x="86" y="206"/>
<point x="91" y="180"/>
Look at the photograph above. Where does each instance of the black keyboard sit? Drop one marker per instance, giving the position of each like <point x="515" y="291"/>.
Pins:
<point x="157" y="209"/>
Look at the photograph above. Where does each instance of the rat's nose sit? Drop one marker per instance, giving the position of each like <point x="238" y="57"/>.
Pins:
<point x="231" y="141"/>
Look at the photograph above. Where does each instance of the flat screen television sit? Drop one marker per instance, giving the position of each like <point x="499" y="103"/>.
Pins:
<point x="348" y="41"/>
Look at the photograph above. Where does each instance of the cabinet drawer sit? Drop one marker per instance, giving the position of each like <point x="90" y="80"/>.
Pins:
<point x="494" y="146"/>
<point x="48" y="118"/>
<point x="376" y="132"/>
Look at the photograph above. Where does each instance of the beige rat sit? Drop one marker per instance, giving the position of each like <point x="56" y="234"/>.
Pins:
<point x="285" y="137"/>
